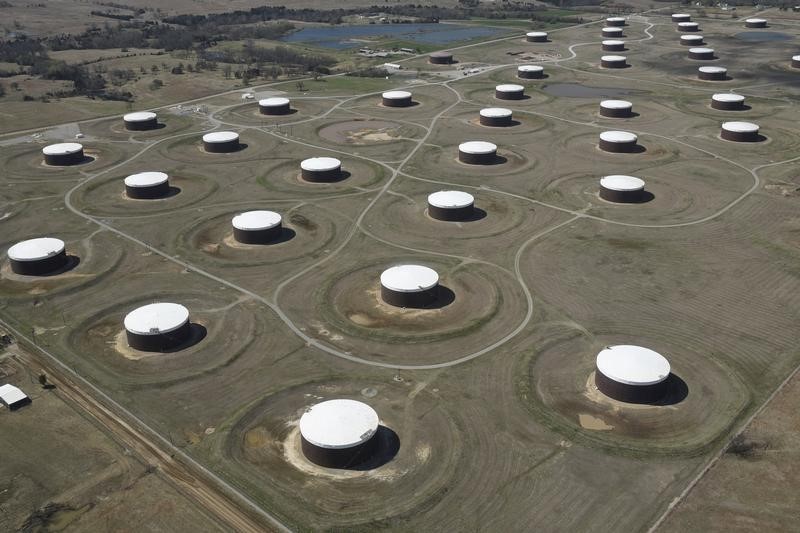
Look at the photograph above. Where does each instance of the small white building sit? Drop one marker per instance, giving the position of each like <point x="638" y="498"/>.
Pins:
<point x="12" y="397"/>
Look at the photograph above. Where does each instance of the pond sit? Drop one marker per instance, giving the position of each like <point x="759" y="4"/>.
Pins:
<point x="576" y="90"/>
<point x="760" y="36"/>
<point x="348" y="36"/>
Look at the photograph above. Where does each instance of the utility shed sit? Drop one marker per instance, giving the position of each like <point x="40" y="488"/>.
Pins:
<point x="12" y="397"/>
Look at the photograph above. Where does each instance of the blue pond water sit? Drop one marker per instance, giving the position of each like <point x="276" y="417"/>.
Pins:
<point x="341" y="37"/>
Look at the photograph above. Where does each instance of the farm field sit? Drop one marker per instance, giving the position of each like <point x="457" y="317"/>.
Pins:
<point x="490" y="393"/>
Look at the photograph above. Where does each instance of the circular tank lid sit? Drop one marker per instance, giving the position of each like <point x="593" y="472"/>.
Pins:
<point x="495" y="112"/>
<point x="529" y="68"/>
<point x="36" y="249"/>
<point x="701" y="50"/>
<point x="713" y="70"/>
<point x="275" y="101"/>
<point x="139" y="116"/>
<point x="256" y="220"/>
<point x="320" y="164"/>
<point x="632" y="365"/>
<point x="450" y="199"/>
<point x="146" y="179"/>
<point x="477" y="147"/>
<point x="337" y="424"/>
<point x="688" y="24"/>
<point x="681" y="15"/>
<point x="795" y="58"/>
<point x="613" y="42"/>
<point x="740" y="127"/>
<point x="396" y="95"/>
<point x="409" y="278"/>
<point x="695" y="37"/>
<point x="441" y="54"/>
<point x="536" y="34"/>
<point x="220" y="137"/>
<point x="622" y="183"/>
<point x="728" y="97"/>
<point x="616" y="104"/>
<point x="157" y="318"/>
<point x="62" y="149"/>
<point x="613" y="58"/>
<point x="615" y="19"/>
<point x="510" y="88"/>
<point x="618" y="136"/>
<point x="755" y="21"/>
<point x="612" y="29"/>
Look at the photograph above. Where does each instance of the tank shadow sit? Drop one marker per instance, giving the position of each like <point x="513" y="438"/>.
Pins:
<point x="386" y="449"/>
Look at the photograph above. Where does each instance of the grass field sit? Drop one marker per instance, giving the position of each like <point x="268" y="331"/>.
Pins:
<point x="491" y="395"/>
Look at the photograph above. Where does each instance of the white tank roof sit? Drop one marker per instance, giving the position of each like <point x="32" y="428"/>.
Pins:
<point x="495" y="112"/>
<point x="338" y="424"/>
<point x="536" y="34"/>
<point x="450" y="199"/>
<point x="694" y="37"/>
<point x="36" y="249"/>
<point x="613" y="58"/>
<point x="613" y="42"/>
<point x="615" y="19"/>
<point x="701" y="50"/>
<point x="713" y="70"/>
<point x="275" y="101"/>
<point x="477" y="147"/>
<point x="146" y="179"/>
<point x="618" y="136"/>
<point x="681" y="15"/>
<point x="256" y="220"/>
<point x="756" y="20"/>
<point x="220" y="137"/>
<point x="62" y="149"/>
<point x="320" y="164"/>
<point x="157" y="318"/>
<point x="139" y="116"/>
<point x="633" y="365"/>
<point x="510" y="88"/>
<point x="616" y="104"/>
<point x="529" y="68"/>
<point x="409" y="278"/>
<point x="728" y="97"/>
<point x="796" y="58"/>
<point x="740" y="127"/>
<point x="618" y="182"/>
<point x="612" y="29"/>
<point x="688" y="24"/>
<point x="396" y="95"/>
<point x="11" y="394"/>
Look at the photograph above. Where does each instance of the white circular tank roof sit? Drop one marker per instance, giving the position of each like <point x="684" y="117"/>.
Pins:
<point x="450" y="199"/>
<point x="688" y="24"/>
<point x="616" y="104"/>
<point x="701" y="50"/>
<point x="694" y="37"/>
<point x="62" y="149"/>
<point x="495" y="112"/>
<point x="796" y="58"/>
<point x="275" y="101"/>
<point x="338" y="424"/>
<point x="728" y="97"/>
<point x="396" y="95"/>
<point x="618" y="182"/>
<point x="220" y="137"/>
<point x="409" y="278"/>
<point x="612" y="29"/>
<point x="713" y="70"/>
<point x="536" y="34"/>
<point x="146" y="179"/>
<point x="613" y="58"/>
<point x="613" y="42"/>
<point x="157" y="318"/>
<point x="755" y="21"/>
<point x="36" y="249"/>
<point x="477" y="147"/>
<point x="510" y="88"/>
<point x="320" y="164"/>
<point x="615" y="19"/>
<point x="681" y="15"/>
<point x="529" y="68"/>
<point x="633" y="365"/>
<point x="139" y="116"/>
<point x="618" y="136"/>
<point x="740" y="127"/>
<point x="256" y="220"/>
